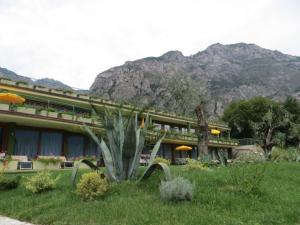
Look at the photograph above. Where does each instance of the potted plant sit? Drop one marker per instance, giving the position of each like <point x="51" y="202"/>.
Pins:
<point x="57" y="91"/>
<point x="40" y="88"/>
<point x="7" y="81"/>
<point x="70" y="93"/>
<point x="4" y="106"/>
<point x="83" y="96"/>
<point x="23" y="84"/>
<point x="84" y="119"/>
<point x="66" y="115"/>
<point x="47" y="162"/>
<point x="51" y="112"/>
<point x="26" y="109"/>
<point x="96" y="99"/>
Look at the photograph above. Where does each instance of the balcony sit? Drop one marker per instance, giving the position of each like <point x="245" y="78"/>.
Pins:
<point x="177" y="137"/>
<point x="46" y="114"/>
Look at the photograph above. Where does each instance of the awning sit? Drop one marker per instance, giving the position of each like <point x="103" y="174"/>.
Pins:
<point x="183" y="148"/>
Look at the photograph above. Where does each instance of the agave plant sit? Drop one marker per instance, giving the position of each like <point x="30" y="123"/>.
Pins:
<point x="122" y="148"/>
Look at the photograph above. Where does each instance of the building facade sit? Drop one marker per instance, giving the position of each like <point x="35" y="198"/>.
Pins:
<point x="49" y="124"/>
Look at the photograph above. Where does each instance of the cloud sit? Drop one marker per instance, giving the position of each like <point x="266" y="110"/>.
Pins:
<point x="73" y="41"/>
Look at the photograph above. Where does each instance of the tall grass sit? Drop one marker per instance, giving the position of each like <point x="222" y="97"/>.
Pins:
<point x="130" y="203"/>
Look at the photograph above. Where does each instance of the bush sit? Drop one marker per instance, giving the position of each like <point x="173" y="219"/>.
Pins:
<point x="193" y="164"/>
<point x="7" y="183"/>
<point x="250" y="157"/>
<point x="280" y="154"/>
<point x="178" y="189"/>
<point x="41" y="182"/>
<point x="246" y="179"/>
<point x="162" y="160"/>
<point x="49" y="160"/>
<point x="91" y="186"/>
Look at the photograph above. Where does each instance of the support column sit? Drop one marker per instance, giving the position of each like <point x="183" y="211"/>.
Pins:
<point x="150" y="120"/>
<point x="39" y="143"/>
<point x="85" y="144"/>
<point x="189" y="128"/>
<point x="64" y="147"/>
<point x="10" y="138"/>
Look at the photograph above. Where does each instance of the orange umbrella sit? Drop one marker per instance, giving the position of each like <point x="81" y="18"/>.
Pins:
<point x="11" y="98"/>
<point x="183" y="148"/>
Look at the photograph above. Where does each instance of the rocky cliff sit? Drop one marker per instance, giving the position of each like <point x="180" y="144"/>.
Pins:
<point x="223" y="72"/>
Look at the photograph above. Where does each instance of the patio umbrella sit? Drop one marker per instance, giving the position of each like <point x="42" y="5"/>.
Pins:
<point x="183" y="148"/>
<point x="215" y="131"/>
<point x="11" y="98"/>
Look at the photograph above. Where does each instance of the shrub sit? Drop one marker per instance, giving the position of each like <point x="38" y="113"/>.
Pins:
<point x="91" y="186"/>
<point x="7" y="183"/>
<point x="162" y="160"/>
<point x="280" y="154"/>
<point x="246" y="179"/>
<point x="250" y="157"/>
<point x="41" y="182"/>
<point x="49" y="160"/>
<point x="193" y="164"/>
<point x="178" y="189"/>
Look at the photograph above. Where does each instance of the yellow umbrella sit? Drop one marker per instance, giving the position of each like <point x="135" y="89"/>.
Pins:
<point x="183" y="148"/>
<point x="215" y="131"/>
<point x="11" y="98"/>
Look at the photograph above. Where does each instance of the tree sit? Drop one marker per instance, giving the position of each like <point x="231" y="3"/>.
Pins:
<point x="275" y="118"/>
<point x="295" y="132"/>
<point x="258" y="118"/>
<point x="202" y="130"/>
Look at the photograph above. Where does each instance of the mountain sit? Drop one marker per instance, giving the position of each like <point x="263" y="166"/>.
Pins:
<point x="51" y="83"/>
<point x="224" y="72"/>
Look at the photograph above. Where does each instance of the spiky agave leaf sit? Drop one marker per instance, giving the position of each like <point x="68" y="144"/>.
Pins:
<point x="115" y="137"/>
<point x="139" y="145"/>
<point x="157" y="166"/>
<point x="108" y="160"/>
<point x="155" y="150"/>
<point x="152" y="157"/>
<point x="129" y="147"/>
<point x="76" y="167"/>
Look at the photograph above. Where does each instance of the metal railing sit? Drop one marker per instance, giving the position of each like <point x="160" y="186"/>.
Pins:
<point x="246" y="141"/>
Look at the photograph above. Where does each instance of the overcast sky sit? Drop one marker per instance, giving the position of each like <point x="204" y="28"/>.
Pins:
<point x="74" y="40"/>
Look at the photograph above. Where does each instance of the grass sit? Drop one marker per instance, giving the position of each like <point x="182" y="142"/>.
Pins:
<point x="129" y="203"/>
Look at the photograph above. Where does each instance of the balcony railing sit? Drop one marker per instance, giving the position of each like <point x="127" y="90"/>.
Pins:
<point x="48" y="113"/>
<point x="191" y="137"/>
<point x="69" y="93"/>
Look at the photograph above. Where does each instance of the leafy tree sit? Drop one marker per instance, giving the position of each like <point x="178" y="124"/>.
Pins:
<point x="295" y="132"/>
<point x="258" y="118"/>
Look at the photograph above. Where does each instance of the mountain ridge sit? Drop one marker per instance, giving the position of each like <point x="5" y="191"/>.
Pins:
<point x="229" y="72"/>
<point x="48" y="82"/>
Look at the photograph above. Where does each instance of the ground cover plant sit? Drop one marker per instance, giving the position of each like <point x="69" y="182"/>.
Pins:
<point x="130" y="203"/>
<point x="91" y="186"/>
<point x="177" y="189"/>
<point x="41" y="182"/>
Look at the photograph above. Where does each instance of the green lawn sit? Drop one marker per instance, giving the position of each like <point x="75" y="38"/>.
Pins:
<point x="128" y="203"/>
